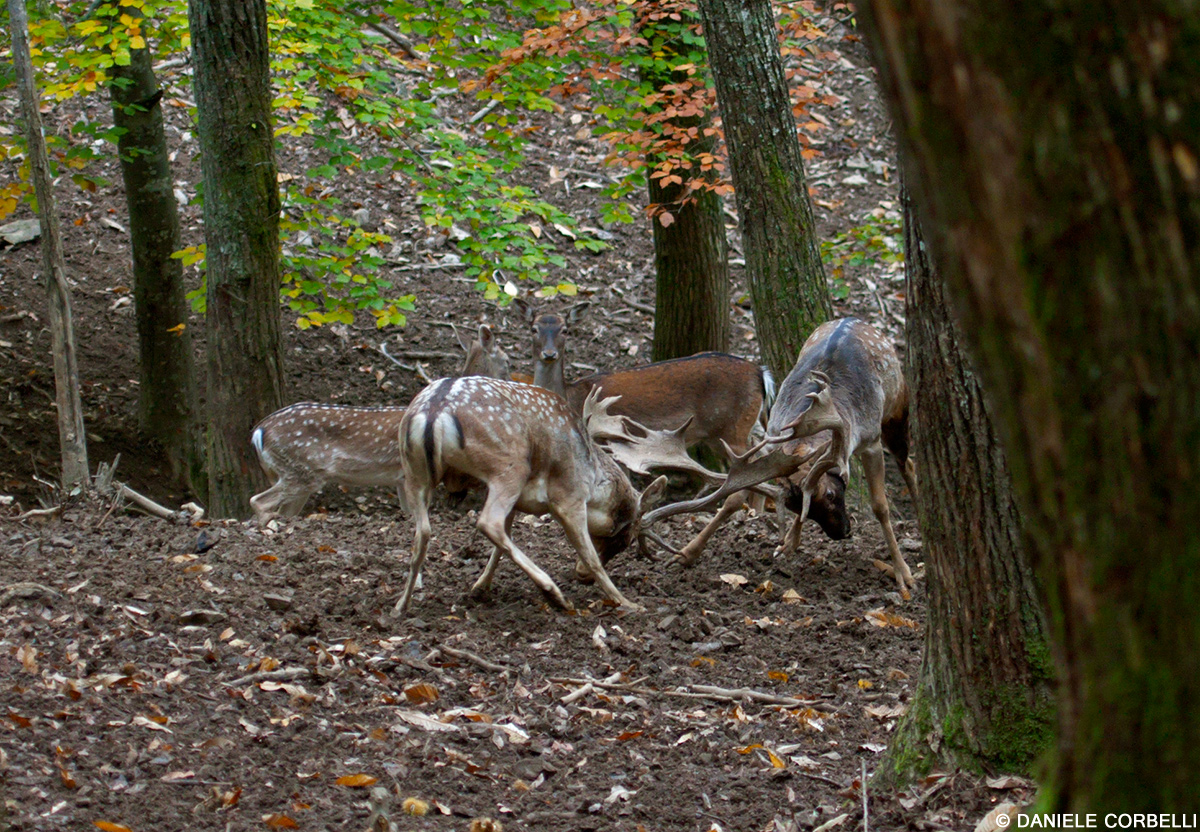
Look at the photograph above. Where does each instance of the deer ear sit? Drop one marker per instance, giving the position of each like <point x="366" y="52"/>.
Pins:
<point x="462" y="340"/>
<point x="653" y="493"/>
<point x="487" y="339"/>
<point x="525" y="307"/>
<point x="577" y="311"/>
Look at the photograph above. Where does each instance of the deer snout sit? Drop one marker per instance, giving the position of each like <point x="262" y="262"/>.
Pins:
<point x="550" y="355"/>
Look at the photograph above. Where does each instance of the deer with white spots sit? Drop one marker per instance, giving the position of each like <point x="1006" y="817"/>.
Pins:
<point x="846" y="395"/>
<point x="306" y="446"/>
<point x="711" y="398"/>
<point x="535" y="456"/>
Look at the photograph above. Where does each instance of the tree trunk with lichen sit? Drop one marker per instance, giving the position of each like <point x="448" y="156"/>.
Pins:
<point x="984" y="698"/>
<point x="168" y="410"/>
<point x="1060" y="185"/>
<point x="691" y="255"/>
<point x="783" y="261"/>
<point x="241" y="232"/>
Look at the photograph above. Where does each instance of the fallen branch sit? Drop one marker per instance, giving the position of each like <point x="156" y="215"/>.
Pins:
<point x="699" y="692"/>
<point x="26" y="590"/>
<point x="483" y="111"/>
<point x="468" y="656"/>
<point x="406" y="45"/>
<point x="41" y="514"/>
<point x="269" y="676"/>
<point x="822" y="779"/>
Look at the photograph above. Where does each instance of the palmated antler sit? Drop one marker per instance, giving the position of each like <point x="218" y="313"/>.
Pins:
<point x="636" y="446"/>
<point x="748" y="471"/>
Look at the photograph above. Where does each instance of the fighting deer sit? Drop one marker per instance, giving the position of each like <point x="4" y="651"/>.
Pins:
<point x="846" y="395"/>
<point x="710" y="398"/>
<point x="305" y="446"/>
<point x="535" y="456"/>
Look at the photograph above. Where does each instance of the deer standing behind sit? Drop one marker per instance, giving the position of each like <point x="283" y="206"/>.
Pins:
<point x="535" y="456"/>
<point x="717" y="397"/>
<point x="306" y="446"/>
<point x="846" y="395"/>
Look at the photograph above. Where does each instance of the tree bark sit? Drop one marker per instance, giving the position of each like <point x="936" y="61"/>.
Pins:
<point x="783" y="262"/>
<point x="241" y="228"/>
<point x="1060" y="182"/>
<point x="167" y="404"/>
<point x="691" y="254"/>
<point x="984" y="698"/>
<point x="72" y="440"/>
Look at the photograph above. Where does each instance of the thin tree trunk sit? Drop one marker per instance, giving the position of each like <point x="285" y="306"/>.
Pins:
<point x="783" y="261"/>
<point x="167" y="404"/>
<point x="241" y="226"/>
<point x="1052" y="150"/>
<point x="691" y="254"/>
<point x="72" y="439"/>
<point x="984" y="699"/>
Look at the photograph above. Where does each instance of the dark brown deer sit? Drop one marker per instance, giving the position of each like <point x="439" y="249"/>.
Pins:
<point x="305" y="446"/>
<point x="720" y="397"/>
<point x="535" y="456"/>
<point x="846" y="395"/>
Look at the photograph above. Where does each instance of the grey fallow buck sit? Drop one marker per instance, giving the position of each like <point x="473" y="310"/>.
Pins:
<point x="534" y="456"/>
<point x="845" y="396"/>
<point x="710" y="398"/>
<point x="306" y="446"/>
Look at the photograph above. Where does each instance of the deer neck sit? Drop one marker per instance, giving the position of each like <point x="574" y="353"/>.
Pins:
<point x="549" y="374"/>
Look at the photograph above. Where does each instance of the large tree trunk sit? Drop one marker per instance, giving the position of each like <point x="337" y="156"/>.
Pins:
<point x="691" y="254"/>
<point x="783" y="262"/>
<point x="72" y="440"/>
<point x="1051" y="148"/>
<point x="167" y="405"/>
<point x="241" y="230"/>
<point x="984" y="699"/>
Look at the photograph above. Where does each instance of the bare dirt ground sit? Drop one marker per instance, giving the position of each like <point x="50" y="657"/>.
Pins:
<point x="222" y="676"/>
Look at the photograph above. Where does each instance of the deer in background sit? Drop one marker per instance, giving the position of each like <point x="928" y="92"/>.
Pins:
<point x="845" y="396"/>
<point x="305" y="446"/>
<point x="535" y="456"/>
<point x="711" y="398"/>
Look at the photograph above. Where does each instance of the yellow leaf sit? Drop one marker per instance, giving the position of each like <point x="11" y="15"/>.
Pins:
<point x="865" y="684"/>
<point x="178" y="329"/>
<point x="749" y="748"/>
<point x="699" y="660"/>
<point x="777" y="675"/>
<point x="280" y="821"/>
<point x="415" y="806"/>
<point x="111" y="827"/>
<point x="775" y="761"/>
<point x="357" y="781"/>
<point x="137" y="42"/>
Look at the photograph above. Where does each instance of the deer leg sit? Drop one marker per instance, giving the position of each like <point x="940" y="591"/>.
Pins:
<point x="494" y="523"/>
<point x="483" y="585"/>
<point x="573" y="519"/>
<point x="286" y="497"/>
<point x="418" y="501"/>
<point x="872" y="460"/>
<point x="690" y="553"/>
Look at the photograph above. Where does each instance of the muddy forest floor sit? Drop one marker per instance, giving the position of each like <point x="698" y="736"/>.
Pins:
<point x="224" y="676"/>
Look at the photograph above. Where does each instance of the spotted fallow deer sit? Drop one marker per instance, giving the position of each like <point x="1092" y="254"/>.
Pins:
<point x="305" y="446"/>
<point x="846" y="395"/>
<point x="535" y="456"/>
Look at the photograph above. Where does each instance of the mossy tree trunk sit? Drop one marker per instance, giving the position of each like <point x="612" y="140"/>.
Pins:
<point x="167" y="406"/>
<point x="1052" y="149"/>
<point x="241" y="232"/>
<point x="984" y="699"/>
<point x="691" y="254"/>
<point x="783" y="261"/>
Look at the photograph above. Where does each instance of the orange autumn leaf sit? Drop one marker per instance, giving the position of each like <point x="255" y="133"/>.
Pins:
<point x="111" y="827"/>
<point x="421" y="693"/>
<point x="280" y="821"/>
<point x="629" y="735"/>
<point x="777" y="675"/>
<point x="268" y="558"/>
<point x="357" y="781"/>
